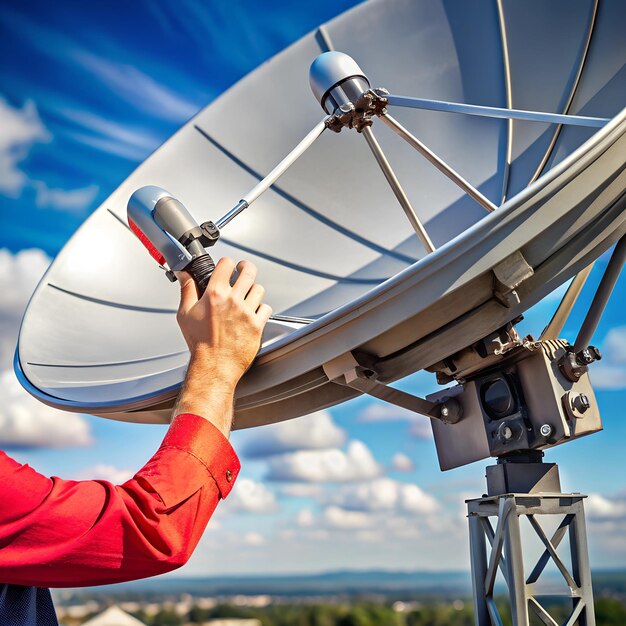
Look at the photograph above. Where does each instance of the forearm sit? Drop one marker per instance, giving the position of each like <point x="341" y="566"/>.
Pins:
<point x="208" y="390"/>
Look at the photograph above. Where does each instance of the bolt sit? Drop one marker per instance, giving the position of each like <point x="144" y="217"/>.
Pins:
<point x="597" y="355"/>
<point x="546" y="430"/>
<point x="445" y="411"/>
<point x="507" y="433"/>
<point x="581" y="403"/>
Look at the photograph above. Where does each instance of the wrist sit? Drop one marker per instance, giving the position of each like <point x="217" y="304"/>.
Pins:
<point x="209" y="388"/>
<point x="214" y="369"/>
<point x="211" y="402"/>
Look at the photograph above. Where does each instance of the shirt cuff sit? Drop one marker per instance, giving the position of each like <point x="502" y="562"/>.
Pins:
<point x="201" y="440"/>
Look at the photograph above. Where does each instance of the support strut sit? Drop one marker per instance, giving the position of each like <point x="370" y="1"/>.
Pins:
<point x="394" y="183"/>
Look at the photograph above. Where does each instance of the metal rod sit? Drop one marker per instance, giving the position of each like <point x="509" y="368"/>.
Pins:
<point x="508" y="155"/>
<point x="441" y="165"/>
<point x="263" y="185"/>
<point x="611" y="274"/>
<point x="572" y="93"/>
<point x="556" y="559"/>
<point x="397" y="188"/>
<point x="555" y="325"/>
<point x="514" y="555"/>
<point x="497" y="112"/>
<point x="478" y="552"/>
<point x="232" y="214"/>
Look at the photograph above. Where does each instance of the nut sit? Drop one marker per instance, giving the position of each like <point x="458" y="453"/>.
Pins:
<point x="546" y="430"/>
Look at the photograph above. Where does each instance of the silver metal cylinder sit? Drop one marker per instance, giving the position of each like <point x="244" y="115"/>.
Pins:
<point x="336" y="80"/>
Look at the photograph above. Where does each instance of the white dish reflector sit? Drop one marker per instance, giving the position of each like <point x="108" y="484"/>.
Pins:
<point x="342" y="267"/>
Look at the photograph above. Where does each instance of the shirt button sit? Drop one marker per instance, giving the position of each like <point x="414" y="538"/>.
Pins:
<point x="229" y="476"/>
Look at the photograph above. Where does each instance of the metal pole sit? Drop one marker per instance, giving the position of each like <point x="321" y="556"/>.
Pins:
<point x="611" y="274"/>
<point x="515" y="570"/>
<point x="496" y="112"/>
<point x="555" y="326"/>
<point x="397" y="188"/>
<point x="479" y="568"/>
<point x="263" y="185"/>
<point x="580" y="564"/>
<point x="441" y="165"/>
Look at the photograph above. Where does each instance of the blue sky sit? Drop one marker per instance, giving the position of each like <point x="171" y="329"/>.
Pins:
<point x="89" y="90"/>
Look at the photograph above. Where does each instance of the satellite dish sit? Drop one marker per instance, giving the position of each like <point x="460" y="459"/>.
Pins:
<point x="344" y="269"/>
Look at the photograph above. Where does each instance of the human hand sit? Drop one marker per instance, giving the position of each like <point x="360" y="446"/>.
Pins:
<point x="223" y="331"/>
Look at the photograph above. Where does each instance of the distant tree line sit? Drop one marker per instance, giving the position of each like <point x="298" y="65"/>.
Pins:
<point x="609" y="612"/>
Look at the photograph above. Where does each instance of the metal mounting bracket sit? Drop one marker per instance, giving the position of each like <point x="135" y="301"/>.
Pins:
<point x="509" y="274"/>
<point x="359" y="114"/>
<point x="356" y="371"/>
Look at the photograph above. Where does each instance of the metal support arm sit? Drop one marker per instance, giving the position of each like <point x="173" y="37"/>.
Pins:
<point x="394" y="183"/>
<point x="346" y="370"/>
<point x="497" y="112"/>
<point x="263" y="185"/>
<point x="605" y="288"/>
<point x="440" y="164"/>
<point x="555" y="326"/>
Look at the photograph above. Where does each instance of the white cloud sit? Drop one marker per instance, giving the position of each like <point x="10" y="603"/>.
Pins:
<point x="385" y="494"/>
<point x="402" y="463"/>
<point x="71" y="200"/>
<point x="19" y="275"/>
<point x="384" y="412"/>
<point x="21" y="129"/>
<point x="311" y="432"/>
<point x="253" y="539"/>
<point x="610" y="372"/>
<point x="421" y="429"/>
<point x="356" y="463"/>
<point x="137" y="88"/>
<point x="602" y="508"/>
<point x="414" y="500"/>
<point x="252" y="497"/>
<point x="614" y="345"/>
<point x="336" y="517"/>
<point x="110" y="473"/>
<point x="110" y="136"/>
<point x="305" y="518"/>
<point x="26" y="422"/>
<point x="302" y="490"/>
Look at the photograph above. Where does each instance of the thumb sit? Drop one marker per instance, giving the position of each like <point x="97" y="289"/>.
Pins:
<point x="188" y="291"/>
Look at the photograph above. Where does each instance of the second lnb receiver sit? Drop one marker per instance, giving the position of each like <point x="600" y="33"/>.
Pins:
<point x="336" y="80"/>
<point x="528" y="402"/>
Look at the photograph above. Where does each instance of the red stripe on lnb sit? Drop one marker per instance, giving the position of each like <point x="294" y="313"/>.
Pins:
<point x="154" y="252"/>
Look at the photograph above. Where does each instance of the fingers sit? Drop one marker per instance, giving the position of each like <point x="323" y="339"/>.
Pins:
<point x="245" y="280"/>
<point x="188" y="292"/>
<point x="221" y="274"/>
<point x="244" y="287"/>
<point x="255" y="297"/>
<point x="264" y="312"/>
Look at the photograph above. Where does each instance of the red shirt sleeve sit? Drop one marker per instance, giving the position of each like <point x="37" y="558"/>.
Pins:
<point x="66" y="533"/>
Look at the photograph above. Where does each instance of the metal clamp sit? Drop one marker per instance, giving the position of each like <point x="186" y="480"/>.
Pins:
<point x="359" y="114"/>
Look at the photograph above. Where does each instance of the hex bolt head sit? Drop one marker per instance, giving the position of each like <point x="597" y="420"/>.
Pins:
<point x="581" y="402"/>
<point x="445" y="411"/>
<point x="546" y="430"/>
<point x="595" y="352"/>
